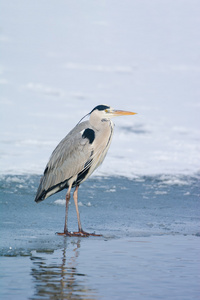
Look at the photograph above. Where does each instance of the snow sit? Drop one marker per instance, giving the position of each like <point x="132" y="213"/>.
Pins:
<point x="59" y="60"/>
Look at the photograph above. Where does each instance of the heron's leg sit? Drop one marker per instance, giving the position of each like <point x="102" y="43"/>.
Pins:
<point x="75" y="195"/>
<point x="80" y="232"/>
<point x="66" y="212"/>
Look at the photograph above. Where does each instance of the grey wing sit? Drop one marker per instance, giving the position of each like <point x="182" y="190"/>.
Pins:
<point x="70" y="158"/>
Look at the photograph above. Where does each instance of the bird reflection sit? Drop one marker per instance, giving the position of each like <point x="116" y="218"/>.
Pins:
<point x="54" y="280"/>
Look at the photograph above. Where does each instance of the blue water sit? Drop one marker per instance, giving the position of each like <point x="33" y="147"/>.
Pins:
<point x="149" y="247"/>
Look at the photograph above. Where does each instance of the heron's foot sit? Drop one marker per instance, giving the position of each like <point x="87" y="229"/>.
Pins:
<point x="85" y="234"/>
<point x="66" y="233"/>
<point x="80" y="233"/>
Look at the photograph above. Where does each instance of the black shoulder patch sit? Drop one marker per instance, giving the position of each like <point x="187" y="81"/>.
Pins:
<point x="89" y="134"/>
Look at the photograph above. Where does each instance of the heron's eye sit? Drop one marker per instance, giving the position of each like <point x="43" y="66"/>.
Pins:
<point x="107" y="110"/>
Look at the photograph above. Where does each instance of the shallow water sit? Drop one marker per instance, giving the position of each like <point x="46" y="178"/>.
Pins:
<point x="149" y="246"/>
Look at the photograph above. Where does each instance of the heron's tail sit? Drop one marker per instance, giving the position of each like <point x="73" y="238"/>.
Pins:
<point x="41" y="192"/>
<point x="45" y="189"/>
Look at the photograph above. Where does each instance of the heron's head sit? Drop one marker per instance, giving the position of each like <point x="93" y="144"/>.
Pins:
<point x="107" y="112"/>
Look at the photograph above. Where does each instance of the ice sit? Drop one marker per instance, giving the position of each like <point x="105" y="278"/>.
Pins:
<point x="160" y="192"/>
<point x="149" y="227"/>
<point x="60" y="202"/>
<point x="14" y="179"/>
<point x="141" y="56"/>
<point x="99" y="68"/>
<point x="39" y="88"/>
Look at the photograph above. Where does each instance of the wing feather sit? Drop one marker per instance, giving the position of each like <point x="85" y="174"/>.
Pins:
<point x="66" y="161"/>
<point x="73" y="157"/>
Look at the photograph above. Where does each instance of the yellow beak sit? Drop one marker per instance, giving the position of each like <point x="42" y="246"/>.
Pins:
<point x="116" y="113"/>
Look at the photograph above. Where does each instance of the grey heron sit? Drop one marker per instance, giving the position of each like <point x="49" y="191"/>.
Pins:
<point x="77" y="156"/>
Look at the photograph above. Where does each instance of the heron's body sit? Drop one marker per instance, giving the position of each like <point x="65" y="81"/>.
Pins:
<point x="76" y="157"/>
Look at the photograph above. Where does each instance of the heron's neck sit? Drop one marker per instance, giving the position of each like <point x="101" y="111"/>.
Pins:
<point x="95" y="121"/>
<point x="101" y="124"/>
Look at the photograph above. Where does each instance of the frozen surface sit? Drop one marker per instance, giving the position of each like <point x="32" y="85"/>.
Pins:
<point x="149" y="247"/>
<point x="59" y="60"/>
<point x="141" y="268"/>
